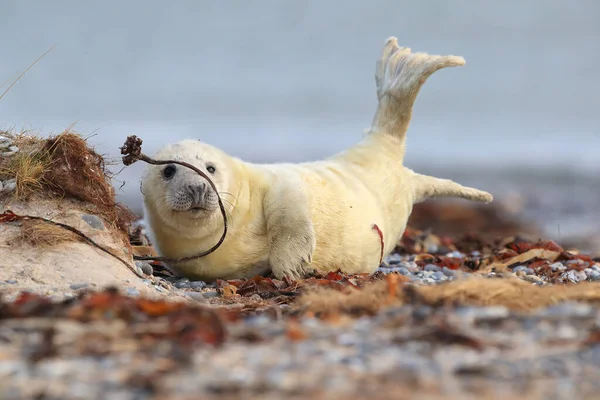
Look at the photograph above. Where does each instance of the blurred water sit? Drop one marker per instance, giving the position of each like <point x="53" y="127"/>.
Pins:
<point x="293" y="80"/>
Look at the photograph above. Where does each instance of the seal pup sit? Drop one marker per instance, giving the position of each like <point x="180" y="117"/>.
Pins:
<point x="345" y="212"/>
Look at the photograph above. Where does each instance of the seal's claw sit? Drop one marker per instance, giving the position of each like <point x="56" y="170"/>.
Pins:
<point x="292" y="256"/>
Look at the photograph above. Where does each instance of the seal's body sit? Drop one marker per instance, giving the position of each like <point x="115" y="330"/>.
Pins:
<point x="294" y="218"/>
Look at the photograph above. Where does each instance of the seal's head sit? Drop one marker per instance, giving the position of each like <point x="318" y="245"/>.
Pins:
<point x="180" y="197"/>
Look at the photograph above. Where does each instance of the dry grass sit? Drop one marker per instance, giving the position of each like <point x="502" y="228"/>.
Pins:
<point x="64" y="166"/>
<point x="39" y="233"/>
<point x="28" y="166"/>
<point x="513" y="293"/>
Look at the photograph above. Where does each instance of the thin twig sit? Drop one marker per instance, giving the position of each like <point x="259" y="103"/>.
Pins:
<point x="132" y="152"/>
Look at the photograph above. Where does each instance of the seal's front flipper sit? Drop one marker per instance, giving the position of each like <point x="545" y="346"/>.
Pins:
<point x="428" y="187"/>
<point x="290" y="230"/>
<point x="399" y="75"/>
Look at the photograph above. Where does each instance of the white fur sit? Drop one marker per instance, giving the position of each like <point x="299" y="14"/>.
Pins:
<point x="292" y="218"/>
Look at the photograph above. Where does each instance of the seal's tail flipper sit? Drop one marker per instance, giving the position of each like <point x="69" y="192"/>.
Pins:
<point x="427" y="187"/>
<point x="399" y="76"/>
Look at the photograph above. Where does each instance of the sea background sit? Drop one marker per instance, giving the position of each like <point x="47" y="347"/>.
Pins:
<point x="293" y="81"/>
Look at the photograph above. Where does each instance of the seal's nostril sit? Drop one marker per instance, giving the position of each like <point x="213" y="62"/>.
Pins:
<point x="196" y="192"/>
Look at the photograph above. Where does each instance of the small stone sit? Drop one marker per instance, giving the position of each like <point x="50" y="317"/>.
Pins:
<point x="77" y="286"/>
<point x="595" y="275"/>
<point x="439" y="275"/>
<point x="405" y="271"/>
<point x="433" y="249"/>
<point x="210" y="293"/>
<point x="197" y="285"/>
<point x="93" y="221"/>
<point x="455" y="254"/>
<point x="132" y="291"/>
<point x="596" y="267"/>
<point x="519" y="268"/>
<point x="9" y="185"/>
<point x="449" y="272"/>
<point x="431" y="267"/>
<point x="182" y="283"/>
<point x="11" y="281"/>
<point x="576" y="276"/>
<point x="394" y="258"/>
<point x="412" y="266"/>
<point x="197" y="296"/>
<point x="14" y="149"/>
<point x="530" y="271"/>
<point x="145" y="267"/>
<point x="255" y="297"/>
<point x="557" y="266"/>
<point x="139" y="271"/>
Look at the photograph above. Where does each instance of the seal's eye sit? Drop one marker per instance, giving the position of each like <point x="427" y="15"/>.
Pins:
<point x="169" y="171"/>
<point x="211" y="169"/>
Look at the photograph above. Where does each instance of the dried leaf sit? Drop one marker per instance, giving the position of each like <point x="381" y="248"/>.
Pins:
<point x="229" y="291"/>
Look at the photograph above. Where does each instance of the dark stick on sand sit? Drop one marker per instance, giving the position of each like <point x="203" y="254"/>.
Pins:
<point x="132" y="152"/>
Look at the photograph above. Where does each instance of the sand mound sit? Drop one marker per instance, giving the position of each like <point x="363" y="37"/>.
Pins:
<point x="63" y="180"/>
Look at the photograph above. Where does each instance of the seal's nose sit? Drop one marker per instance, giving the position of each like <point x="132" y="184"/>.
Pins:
<point x="197" y="192"/>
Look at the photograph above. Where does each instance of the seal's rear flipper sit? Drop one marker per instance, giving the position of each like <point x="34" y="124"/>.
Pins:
<point x="399" y="76"/>
<point x="427" y="187"/>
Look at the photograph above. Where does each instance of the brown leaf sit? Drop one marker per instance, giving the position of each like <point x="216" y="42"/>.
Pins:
<point x="157" y="308"/>
<point x="229" y="291"/>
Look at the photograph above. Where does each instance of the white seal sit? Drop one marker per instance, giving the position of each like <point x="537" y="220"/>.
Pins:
<point x="344" y="212"/>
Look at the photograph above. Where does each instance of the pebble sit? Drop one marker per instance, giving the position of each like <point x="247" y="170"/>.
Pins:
<point x="208" y="294"/>
<point x="132" y="291"/>
<point x="93" y="221"/>
<point x="145" y="267"/>
<point x="449" y="272"/>
<point x="520" y="268"/>
<point x="576" y="276"/>
<point x="9" y="185"/>
<point x="440" y="276"/>
<point x="405" y="271"/>
<point x="595" y="275"/>
<point x="431" y="267"/>
<point x="11" y="281"/>
<point x="394" y="258"/>
<point x="138" y="270"/>
<point x="182" y="283"/>
<point x="77" y="286"/>
<point x="455" y="254"/>
<point x="433" y="249"/>
<point x="557" y="266"/>
<point x="197" y="285"/>
<point x="197" y="296"/>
